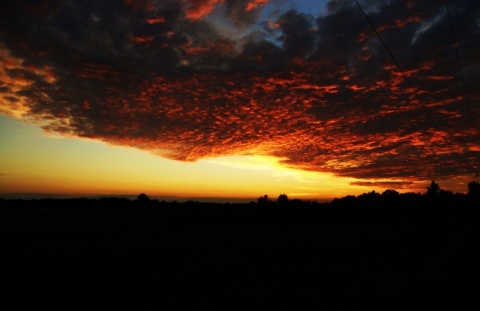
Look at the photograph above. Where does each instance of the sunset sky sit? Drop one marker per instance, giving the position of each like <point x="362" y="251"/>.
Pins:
<point x="238" y="98"/>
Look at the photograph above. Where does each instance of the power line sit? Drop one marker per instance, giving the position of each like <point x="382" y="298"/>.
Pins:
<point x="398" y="65"/>
<point x="403" y="73"/>
<point x="455" y="44"/>
<point x="460" y="67"/>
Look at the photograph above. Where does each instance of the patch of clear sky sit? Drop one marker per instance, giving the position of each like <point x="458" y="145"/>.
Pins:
<point x="270" y="12"/>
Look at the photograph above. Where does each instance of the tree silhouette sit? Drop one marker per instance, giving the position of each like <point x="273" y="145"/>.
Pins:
<point x="474" y="192"/>
<point x="143" y="198"/>
<point x="390" y="193"/>
<point x="433" y="189"/>
<point x="264" y="200"/>
<point x="282" y="199"/>
<point x="474" y="189"/>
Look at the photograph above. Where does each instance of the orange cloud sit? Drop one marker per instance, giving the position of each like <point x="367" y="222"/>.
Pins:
<point x="400" y="23"/>
<point x="322" y="94"/>
<point x="143" y="39"/>
<point x="196" y="9"/>
<point x="156" y="20"/>
<point x="255" y="4"/>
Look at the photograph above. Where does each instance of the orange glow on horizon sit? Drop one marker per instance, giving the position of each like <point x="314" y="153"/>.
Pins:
<point x="75" y="166"/>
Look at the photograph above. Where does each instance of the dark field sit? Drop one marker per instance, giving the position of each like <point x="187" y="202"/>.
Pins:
<point x="82" y="254"/>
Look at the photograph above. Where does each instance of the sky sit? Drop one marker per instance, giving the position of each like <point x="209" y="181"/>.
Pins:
<point x="238" y="98"/>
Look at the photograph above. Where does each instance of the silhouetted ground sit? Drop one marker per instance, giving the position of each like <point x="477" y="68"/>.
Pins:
<point x="101" y="254"/>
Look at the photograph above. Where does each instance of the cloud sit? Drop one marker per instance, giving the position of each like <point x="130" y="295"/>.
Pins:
<point x="239" y="12"/>
<point x="196" y="9"/>
<point x="320" y="92"/>
<point x="298" y="35"/>
<point x="384" y="184"/>
<point x="243" y="13"/>
<point x="255" y="4"/>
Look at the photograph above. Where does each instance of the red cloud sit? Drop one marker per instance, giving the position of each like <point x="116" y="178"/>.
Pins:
<point x="196" y="9"/>
<point x="143" y="39"/>
<point x="323" y="94"/>
<point x="157" y="20"/>
<point x="255" y="4"/>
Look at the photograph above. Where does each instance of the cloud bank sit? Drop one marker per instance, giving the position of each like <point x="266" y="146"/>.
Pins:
<point x="321" y="91"/>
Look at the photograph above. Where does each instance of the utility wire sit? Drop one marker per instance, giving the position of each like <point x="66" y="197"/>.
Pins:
<point x="403" y="73"/>
<point x="398" y="65"/>
<point x="460" y="67"/>
<point x="455" y="44"/>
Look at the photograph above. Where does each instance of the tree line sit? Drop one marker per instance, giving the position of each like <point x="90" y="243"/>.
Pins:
<point x="433" y="199"/>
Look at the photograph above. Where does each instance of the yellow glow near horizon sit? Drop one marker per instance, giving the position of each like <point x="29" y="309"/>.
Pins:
<point x="299" y="183"/>
<point x="33" y="161"/>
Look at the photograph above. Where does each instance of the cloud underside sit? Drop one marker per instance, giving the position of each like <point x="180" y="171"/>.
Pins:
<point x="321" y="92"/>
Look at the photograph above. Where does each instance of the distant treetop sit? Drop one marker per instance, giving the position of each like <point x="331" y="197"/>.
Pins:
<point x="142" y="197"/>
<point x="433" y="189"/>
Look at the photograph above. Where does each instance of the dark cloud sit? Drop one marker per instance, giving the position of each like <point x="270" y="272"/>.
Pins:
<point x="386" y="184"/>
<point x="241" y="12"/>
<point x="319" y="91"/>
<point x="298" y="35"/>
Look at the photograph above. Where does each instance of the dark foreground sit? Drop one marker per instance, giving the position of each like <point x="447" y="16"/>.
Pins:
<point x="236" y="257"/>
